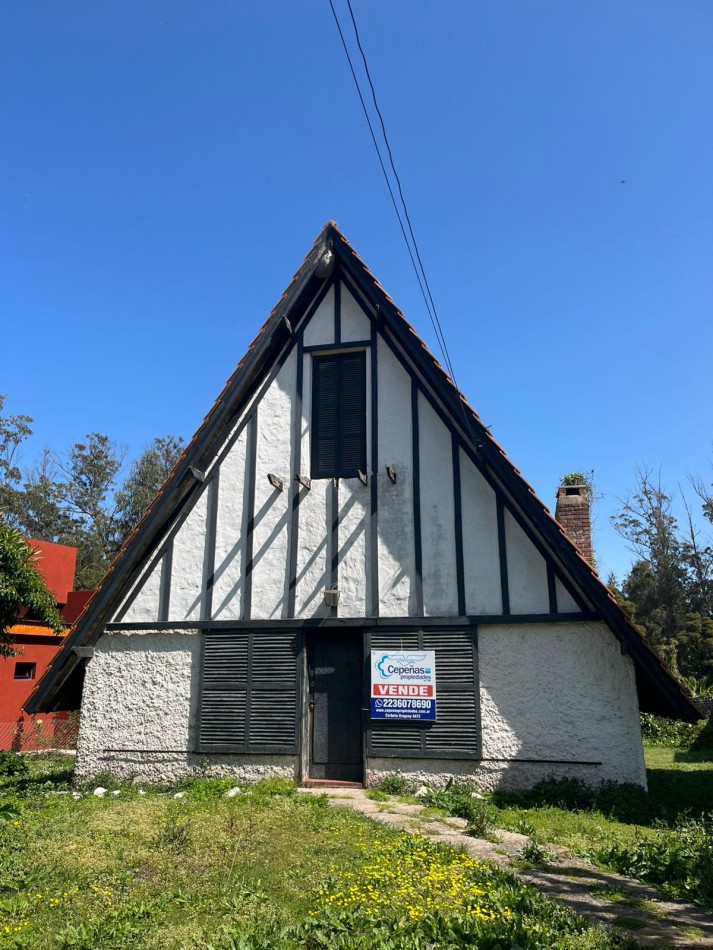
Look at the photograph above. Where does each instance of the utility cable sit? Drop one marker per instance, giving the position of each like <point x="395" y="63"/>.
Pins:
<point x="438" y="329"/>
<point x="378" y="153"/>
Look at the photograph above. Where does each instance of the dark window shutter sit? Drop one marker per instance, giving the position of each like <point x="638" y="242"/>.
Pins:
<point x="249" y="691"/>
<point x="455" y="733"/>
<point x="339" y="415"/>
<point x="325" y="417"/>
<point x="353" y="414"/>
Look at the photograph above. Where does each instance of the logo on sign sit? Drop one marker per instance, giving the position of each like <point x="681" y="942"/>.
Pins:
<point x="403" y="665"/>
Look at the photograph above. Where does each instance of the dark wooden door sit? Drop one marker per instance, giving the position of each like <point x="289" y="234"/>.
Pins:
<point x="336" y="671"/>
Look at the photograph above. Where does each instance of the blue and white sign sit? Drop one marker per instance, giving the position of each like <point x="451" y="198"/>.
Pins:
<point x="403" y="684"/>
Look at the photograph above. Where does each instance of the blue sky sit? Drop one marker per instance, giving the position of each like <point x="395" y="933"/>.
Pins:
<point x="166" y="165"/>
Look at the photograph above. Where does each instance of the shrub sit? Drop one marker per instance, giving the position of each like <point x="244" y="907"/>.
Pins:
<point x="12" y="763"/>
<point x="672" y="733"/>
<point x="704" y="740"/>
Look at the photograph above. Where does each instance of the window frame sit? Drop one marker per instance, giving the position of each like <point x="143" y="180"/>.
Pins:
<point x="31" y="670"/>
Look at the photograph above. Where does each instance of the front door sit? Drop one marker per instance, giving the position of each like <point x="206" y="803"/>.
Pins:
<point x="335" y="676"/>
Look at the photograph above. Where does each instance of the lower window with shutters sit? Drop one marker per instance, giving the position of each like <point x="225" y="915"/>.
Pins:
<point x="250" y="691"/>
<point x="456" y="732"/>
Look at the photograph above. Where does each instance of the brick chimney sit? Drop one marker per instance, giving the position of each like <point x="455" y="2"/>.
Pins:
<point x="572" y="512"/>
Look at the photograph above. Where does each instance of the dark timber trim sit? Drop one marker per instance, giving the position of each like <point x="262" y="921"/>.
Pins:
<point x="337" y="308"/>
<point x="295" y="485"/>
<point x="503" y="554"/>
<point x="387" y="623"/>
<point x="476" y="693"/>
<point x="338" y="347"/>
<point x="209" y="551"/>
<point x="416" y="479"/>
<point x="374" y="485"/>
<point x="250" y="514"/>
<point x="458" y="523"/>
<point x="334" y="538"/>
<point x="164" y="601"/>
<point x="551" y="588"/>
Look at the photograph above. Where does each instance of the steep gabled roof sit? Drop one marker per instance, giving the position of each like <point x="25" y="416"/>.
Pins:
<point x="658" y="690"/>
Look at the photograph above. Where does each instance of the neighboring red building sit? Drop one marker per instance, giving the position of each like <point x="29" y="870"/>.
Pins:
<point x="36" y="646"/>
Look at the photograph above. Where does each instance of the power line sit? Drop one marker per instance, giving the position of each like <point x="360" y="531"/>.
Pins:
<point x="437" y="323"/>
<point x="381" y="161"/>
<point x="419" y="269"/>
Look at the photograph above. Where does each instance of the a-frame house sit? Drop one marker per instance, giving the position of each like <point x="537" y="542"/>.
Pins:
<point x="341" y="498"/>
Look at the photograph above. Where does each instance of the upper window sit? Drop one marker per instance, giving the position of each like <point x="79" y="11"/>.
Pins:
<point x="25" y="671"/>
<point x="338" y="415"/>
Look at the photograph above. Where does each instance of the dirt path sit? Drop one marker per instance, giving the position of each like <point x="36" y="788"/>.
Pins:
<point x="635" y="907"/>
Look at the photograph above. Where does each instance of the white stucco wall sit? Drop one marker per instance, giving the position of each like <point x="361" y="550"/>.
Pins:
<point x="527" y="572"/>
<point x="320" y="329"/>
<point x="483" y="592"/>
<point x="272" y="507"/>
<point x="355" y="324"/>
<point x="354" y="500"/>
<point x="546" y="693"/>
<point x="141" y="695"/>
<point x="560" y="692"/>
<point x="396" y="565"/>
<point x="230" y="531"/>
<point x="438" y="547"/>
<point x="187" y="575"/>
<point x="144" y="607"/>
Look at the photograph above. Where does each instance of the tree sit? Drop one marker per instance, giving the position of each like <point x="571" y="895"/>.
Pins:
<point x="13" y="432"/>
<point x="671" y="583"/>
<point x="86" y="492"/>
<point x="146" y="476"/>
<point x="21" y="585"/>
<point x="657" y="581"/>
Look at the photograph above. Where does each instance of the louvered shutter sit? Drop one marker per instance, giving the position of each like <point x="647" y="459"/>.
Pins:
<point x="249" y="691"/>
<point x="339" y="415"/>
<point x="325" y="417"/>
<point x="455" y="733"/>
<point x="353" y="414"/>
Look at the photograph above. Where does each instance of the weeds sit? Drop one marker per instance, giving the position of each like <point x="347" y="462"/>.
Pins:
<point x="537" y="854"/>
<point x="459" y="799"/>
<point x="394" y="785"/>
<point x="679" y="860"/>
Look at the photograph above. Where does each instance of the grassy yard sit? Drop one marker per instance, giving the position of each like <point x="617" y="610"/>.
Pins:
<point x="665" y="838"/>
<point x="267" y="868"/>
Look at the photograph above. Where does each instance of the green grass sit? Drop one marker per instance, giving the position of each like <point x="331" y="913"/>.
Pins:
<point x="680" y="780"/>
<point x="269" y="868"/>
<point x="668" y="841"/>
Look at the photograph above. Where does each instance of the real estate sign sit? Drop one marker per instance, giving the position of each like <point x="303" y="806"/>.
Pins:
<point x="403" y="684"/>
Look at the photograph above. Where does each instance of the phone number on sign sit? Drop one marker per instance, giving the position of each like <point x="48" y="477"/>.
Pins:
<point x="405" y="703"/>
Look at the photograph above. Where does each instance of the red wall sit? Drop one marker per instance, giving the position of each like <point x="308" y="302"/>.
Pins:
<point x="18" y="730"/>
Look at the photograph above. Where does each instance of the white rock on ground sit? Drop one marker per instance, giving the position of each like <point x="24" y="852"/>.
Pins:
<point x="232" y="792"/>
<point x="100" y="791"/>
<point x="178" y="795"/>
<point x="422" y="791"/>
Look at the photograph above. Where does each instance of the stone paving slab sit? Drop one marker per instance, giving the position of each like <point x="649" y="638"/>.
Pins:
<point x="643" y="914"/>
